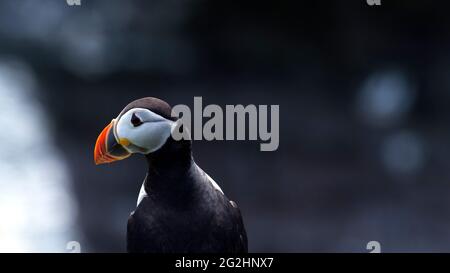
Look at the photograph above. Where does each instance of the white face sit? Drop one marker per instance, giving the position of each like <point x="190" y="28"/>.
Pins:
<point x="141" y="131"/>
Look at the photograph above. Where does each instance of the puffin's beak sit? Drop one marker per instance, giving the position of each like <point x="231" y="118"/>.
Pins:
<point x="107" y="149"/>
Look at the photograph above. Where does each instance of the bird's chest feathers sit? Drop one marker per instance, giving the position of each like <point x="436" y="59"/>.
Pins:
<point x="172" y="221"/>
<point x="187" y="208"/>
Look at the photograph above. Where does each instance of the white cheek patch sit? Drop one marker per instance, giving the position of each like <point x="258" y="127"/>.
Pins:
<point x="150" y="135"/>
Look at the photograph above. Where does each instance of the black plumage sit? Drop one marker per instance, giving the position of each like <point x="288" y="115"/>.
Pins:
<point x="182" y="211"/>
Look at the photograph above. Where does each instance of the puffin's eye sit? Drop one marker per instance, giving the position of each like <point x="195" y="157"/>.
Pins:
<point x="135" y="120"/>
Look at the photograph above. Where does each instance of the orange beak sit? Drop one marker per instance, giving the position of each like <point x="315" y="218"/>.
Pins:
<point x="107" y="149"/>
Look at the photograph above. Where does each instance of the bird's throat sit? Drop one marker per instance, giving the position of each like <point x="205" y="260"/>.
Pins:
<point x="169" y="167"/>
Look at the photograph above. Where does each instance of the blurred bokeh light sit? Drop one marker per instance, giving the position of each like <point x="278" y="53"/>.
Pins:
<point x="37" y="207"/>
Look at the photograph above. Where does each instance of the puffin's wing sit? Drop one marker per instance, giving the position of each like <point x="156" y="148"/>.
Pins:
<point x="139" y="236"/>
<point x="242" y="245"/>
<point x="131" y="238"/>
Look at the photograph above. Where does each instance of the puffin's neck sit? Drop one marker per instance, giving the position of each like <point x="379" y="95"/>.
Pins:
<point x="169" y="167"/>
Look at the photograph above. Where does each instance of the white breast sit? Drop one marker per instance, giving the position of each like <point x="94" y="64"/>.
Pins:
<point x="142" y="193"/>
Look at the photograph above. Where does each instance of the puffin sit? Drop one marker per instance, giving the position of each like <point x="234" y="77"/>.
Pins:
<point x="180" y="208"/>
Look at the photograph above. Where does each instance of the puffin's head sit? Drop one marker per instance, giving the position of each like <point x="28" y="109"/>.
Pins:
<point x="143" y="127"/>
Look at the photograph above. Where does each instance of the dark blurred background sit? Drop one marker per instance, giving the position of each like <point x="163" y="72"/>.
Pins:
<point x="364" y="95"/>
